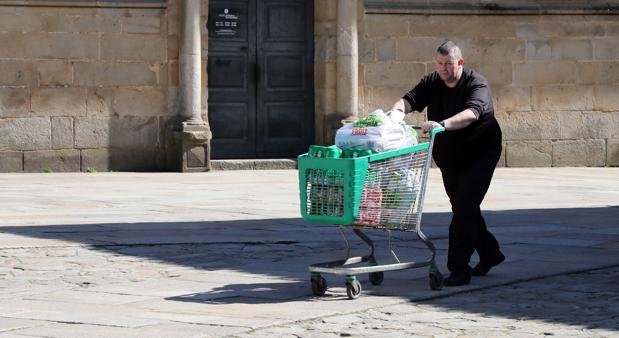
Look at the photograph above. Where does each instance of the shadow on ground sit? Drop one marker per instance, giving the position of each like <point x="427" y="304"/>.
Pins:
<point x="274" y="253"/>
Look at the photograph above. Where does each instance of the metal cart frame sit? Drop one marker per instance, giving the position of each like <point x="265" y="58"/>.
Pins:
<point x="323" y="179"/>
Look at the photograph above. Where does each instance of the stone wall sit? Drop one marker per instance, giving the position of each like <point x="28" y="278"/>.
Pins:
<point x="83" y="88"/>
<point x="555" y="78"/>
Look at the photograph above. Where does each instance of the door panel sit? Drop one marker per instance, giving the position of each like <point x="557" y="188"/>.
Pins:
<point x="260" y="78"/>
<point x="285" y="92"/>
<point x="231" y="78"/>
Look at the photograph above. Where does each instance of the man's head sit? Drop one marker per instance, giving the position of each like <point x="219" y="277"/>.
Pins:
<point x="449" y="63"/>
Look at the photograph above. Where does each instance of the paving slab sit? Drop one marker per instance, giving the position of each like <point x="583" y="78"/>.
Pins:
<point x="227" y="254"/>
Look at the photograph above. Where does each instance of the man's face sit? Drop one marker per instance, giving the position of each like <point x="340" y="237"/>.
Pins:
<point x="448" y="68"/>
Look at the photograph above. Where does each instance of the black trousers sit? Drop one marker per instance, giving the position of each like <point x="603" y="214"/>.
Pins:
<point x="466" y="187"/>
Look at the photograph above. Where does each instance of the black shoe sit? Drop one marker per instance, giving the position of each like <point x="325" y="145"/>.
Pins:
<point x="457" y="279"/>
<point x="482" y="268"/>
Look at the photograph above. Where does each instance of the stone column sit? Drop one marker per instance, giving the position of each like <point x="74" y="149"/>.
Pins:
<point x="347" y="59"/>
<point x="195" y="133"/>
<point x="189" y="63"/>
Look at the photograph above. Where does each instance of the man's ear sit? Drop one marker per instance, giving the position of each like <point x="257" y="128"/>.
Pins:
<point x="460" y="62"/>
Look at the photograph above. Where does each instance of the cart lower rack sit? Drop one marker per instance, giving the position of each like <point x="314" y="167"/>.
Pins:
<point x="381" y="191"/>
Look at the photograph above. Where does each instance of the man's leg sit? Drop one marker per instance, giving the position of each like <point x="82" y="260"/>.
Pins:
<point x="460" y="244"/>
<point x="466" y="188"/>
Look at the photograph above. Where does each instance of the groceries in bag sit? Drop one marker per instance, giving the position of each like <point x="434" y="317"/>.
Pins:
<point x="376" y="132"/>
<point x="400" y="195"/>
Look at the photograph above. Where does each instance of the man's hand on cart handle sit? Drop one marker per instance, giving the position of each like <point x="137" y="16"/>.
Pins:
<point x="429" y="125"/>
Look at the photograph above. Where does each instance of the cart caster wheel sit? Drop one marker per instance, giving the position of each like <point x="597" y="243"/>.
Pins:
<point x="436" y="280"/>
<point x="376" y="278"/>
<point x="319" y="286"/>
<point x="353" y="289"/>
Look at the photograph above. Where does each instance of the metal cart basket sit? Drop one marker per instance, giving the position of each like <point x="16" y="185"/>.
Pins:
<point x="380" y="191"/>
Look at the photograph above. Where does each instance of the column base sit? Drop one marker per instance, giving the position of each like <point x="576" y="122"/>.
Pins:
<point x="189" y="149"/>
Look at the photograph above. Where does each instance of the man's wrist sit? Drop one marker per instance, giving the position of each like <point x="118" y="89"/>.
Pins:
<point x="442" y="123"/>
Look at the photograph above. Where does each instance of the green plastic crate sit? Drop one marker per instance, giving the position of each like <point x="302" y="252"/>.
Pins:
<point x="330" y="188"/>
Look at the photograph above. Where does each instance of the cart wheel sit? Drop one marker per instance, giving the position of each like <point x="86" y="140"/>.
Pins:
<point x="353" y="289"/>
<point x="376" y="278"/>
<point x="436" y="280"/>
<point x="319" y="286"/>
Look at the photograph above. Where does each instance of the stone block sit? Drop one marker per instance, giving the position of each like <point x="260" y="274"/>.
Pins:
<point x="510" y="98"/>
<point x="482" y="50"/>
<point x="143" y="101"/>
<point x="99" y="101"/>
<point x="26" y="21"/>
<point x="132" y="47"/>
<point x="14" y="102"/>
<point x="605" y="98"/>
<point x="386" y="26"/>
<point x="495" y="27"/>
<point x="560" y="26"/>
<point x="393" y="74"/>
<point x="565" y="48"/>
<point x="173" y="76"/>
<point x="579" y="153"/>
<point x="606" y="48"/>
<point x="173" y="47"/>
<point x="325" y="28"/>
<point x="538" y="125"/>
<point x="25" y="133"/>
<point x="416" y="48"/>
<point x="612" y="152"/>
<point x="121" y="132"/>
<point x="143" y="22"/>
<point x="119" y="159"/>
<point x="92" y="132"/>
<point x="116" y="74"/>
<point x="62" y="132"/>
<point x="66" y="160"/>
<point x="586" y="125"/>
<point x="325" y="49"/>
<point x="13" y="46"/>
<point x="11" y="161"/>
<point x="60" y="46"/>
<point x="17" y="73"/>
<point x="172" y="15"/>
<point x="325" y="75"/>
<point x="385" y="49"/>
<point x="54" y="72"/>
<point x="324" y="100"/>
<point x="325" y="10"/>
<point x="367" y="50"/>
<point x="381" y="97"/>
<point x="84" y="23"/>
<point x="598" y="72"/>
<point x="502" y="159"/>
<point x="528" y="153"/>
<point x="562" y="98"/>
<point x="533" y="73"/>
<point x="496" y="73"/>
<point x="59" y="101"/>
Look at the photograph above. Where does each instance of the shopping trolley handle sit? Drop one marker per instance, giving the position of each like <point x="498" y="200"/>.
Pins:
<point x="433" y="131"/>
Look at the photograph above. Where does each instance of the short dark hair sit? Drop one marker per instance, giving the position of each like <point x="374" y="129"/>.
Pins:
<point x="449" y="48"/>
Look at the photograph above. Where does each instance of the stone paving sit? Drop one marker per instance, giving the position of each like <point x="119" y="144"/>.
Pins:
<point x="226" y="254"/>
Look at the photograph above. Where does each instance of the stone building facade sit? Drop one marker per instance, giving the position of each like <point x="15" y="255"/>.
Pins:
<point x="553" y="67"/>
<point x="97" y="85"/>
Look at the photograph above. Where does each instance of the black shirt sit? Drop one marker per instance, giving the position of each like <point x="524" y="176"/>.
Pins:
<point x="457" y="147"/>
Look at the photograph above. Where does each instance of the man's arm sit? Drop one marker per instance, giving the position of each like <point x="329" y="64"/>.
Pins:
<point x="459" y="121"/>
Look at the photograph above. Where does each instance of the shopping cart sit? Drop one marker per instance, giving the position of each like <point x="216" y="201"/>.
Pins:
<point x="380" y="191"/>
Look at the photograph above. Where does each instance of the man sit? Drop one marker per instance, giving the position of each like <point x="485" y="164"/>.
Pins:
<point x="459" y="99"/>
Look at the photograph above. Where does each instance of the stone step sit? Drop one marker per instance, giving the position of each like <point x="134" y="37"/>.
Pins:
<point x="254" y="164"/>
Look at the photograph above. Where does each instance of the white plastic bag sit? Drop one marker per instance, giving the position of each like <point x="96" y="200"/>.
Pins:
<point x="399" y="196"/>
<point x="376" y="132"/>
